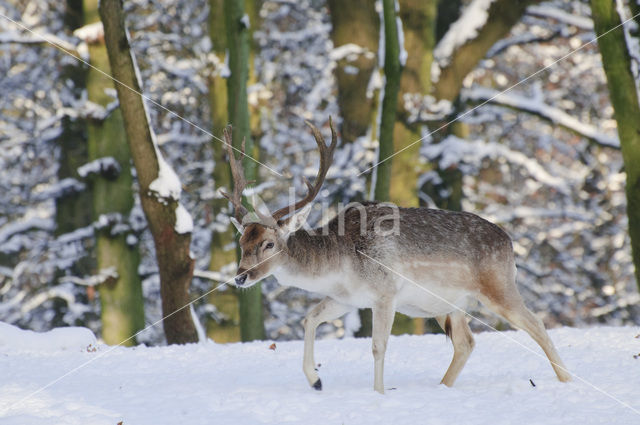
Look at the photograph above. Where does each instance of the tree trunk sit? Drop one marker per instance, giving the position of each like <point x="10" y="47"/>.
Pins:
<point x="250" y="300"/>
<point x="502" y="16"/>
<point x="392" y="73"/>
<point x="387" y="179"/>
<point x="355" y="23"/>
<point x="418" y="26"/>
<point x="73" y="14"/>
<point x="418" y="19"/>
<point x="160" y="204"/>
<point x="222" y="241"/>
<point x="122" y="307"/>
<point x="71" y="210"/>
<point x="448" y="13"/>
<point x="624" y="98"/>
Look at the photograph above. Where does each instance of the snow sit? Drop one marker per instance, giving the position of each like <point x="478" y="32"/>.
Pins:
<point x="167" y="185"/>
<point x="349" y="51"/>
<point x="64" y="187"/>
<point x="225" y="71"/>
<point x="454" y="150"/>
<point x="99" y="166"/>
<point x="95" y="111"/>
<point x="546" y="11"/>
<point x="95" y="280"/>
<point x="184" y="222"/>
<point x="19" y="226"/>
<point x="250" y="383"/>
<point x="536" y="105"/>
<point x="90" y="33"/>
<point x="245" y="21"/>
<point x="186" y="139"/>
<point x="16" y="341"/>
<point x="403" y="55"/>
<point x="466" y="28"/>
<point x="202" y="333"/>
<point x="435" y="72"/>
<point x="426" y="108"/>
<point x="13" y="37"/>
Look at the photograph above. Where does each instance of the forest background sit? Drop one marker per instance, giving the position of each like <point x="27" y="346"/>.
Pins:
<point x="555" y="159"/>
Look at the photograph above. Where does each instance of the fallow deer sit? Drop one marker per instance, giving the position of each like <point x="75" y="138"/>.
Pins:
<point x="429" y="266"/>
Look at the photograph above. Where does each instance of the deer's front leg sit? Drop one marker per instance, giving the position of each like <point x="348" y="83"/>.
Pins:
<point x="327" y="309"/>
<point x="383" y="315"/>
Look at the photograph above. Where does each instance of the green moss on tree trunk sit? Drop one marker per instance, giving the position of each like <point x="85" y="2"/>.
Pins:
<point x="223" y="252"/>
<point x="356" y="23"/>
<point x="250" y="300"/>
<point x="71" y="211"/>
<point x="624" y="98"/>
<point x="122" y="311"/>
<point x="392" y="73"/>
<point x="418" y="22"/>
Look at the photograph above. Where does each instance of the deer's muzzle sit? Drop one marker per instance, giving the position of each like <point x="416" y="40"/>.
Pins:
<point x="241" y="278"/>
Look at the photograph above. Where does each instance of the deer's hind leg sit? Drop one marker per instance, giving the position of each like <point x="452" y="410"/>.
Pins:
<point x="327" y="309"/>
<point x="456" y="327"/>
<point x="503" y="298"/>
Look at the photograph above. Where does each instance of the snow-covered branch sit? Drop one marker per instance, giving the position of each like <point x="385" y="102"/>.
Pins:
<point x="107" y="167"/>
<point x="103" y="276"/>
<point x="538" y="107"/>
<point x="33" y="223"/>
<point x="465" y="29"/>
<point x="482" y="23"/>
<point x="525" y="38"/>
<point x="546" y="11"/>
<point x="16" y="37"/>
<point x="454" y="150"/>
<point x="65" y="187"/>
<point x="210" y="275"/>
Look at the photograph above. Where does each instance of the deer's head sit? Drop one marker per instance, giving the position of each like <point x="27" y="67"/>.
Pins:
<point x="264" y="236"/>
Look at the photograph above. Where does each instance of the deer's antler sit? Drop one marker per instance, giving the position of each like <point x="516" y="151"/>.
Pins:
<point x="237" y="173"/>
<point x="326" y="157"/>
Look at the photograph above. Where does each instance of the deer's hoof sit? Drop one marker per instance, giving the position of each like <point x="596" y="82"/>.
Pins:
<point x="317" y="385"/>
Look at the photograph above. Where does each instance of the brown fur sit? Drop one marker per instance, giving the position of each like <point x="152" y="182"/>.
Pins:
<point x="436" y="235"/>
<point x="447" y="326"/>
<point x="251" y="236"/>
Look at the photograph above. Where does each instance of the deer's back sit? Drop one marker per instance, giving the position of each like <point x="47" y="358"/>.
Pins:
<point x="422" y="232"/>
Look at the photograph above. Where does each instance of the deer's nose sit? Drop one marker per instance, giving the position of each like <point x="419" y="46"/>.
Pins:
<point x="241" y="278"/>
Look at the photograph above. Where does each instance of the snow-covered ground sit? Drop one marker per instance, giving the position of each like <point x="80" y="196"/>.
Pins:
<point x="255" y="384"/>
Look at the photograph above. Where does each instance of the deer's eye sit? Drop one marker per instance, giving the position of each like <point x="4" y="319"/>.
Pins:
<point x="269" y="245"/>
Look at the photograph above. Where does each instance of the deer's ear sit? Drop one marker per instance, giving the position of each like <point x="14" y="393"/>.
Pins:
<point x="237" y="225"/>
<point x="295" y="222"/>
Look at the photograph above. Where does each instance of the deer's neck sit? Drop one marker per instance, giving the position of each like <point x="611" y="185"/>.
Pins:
<point x="311" y="260"/>
<point x="314" y="263"/>
<point x="312" y="253"/>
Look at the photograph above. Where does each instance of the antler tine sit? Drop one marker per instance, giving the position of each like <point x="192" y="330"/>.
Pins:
<point x="326" y="157"/>
<point x="237" y="173"/>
